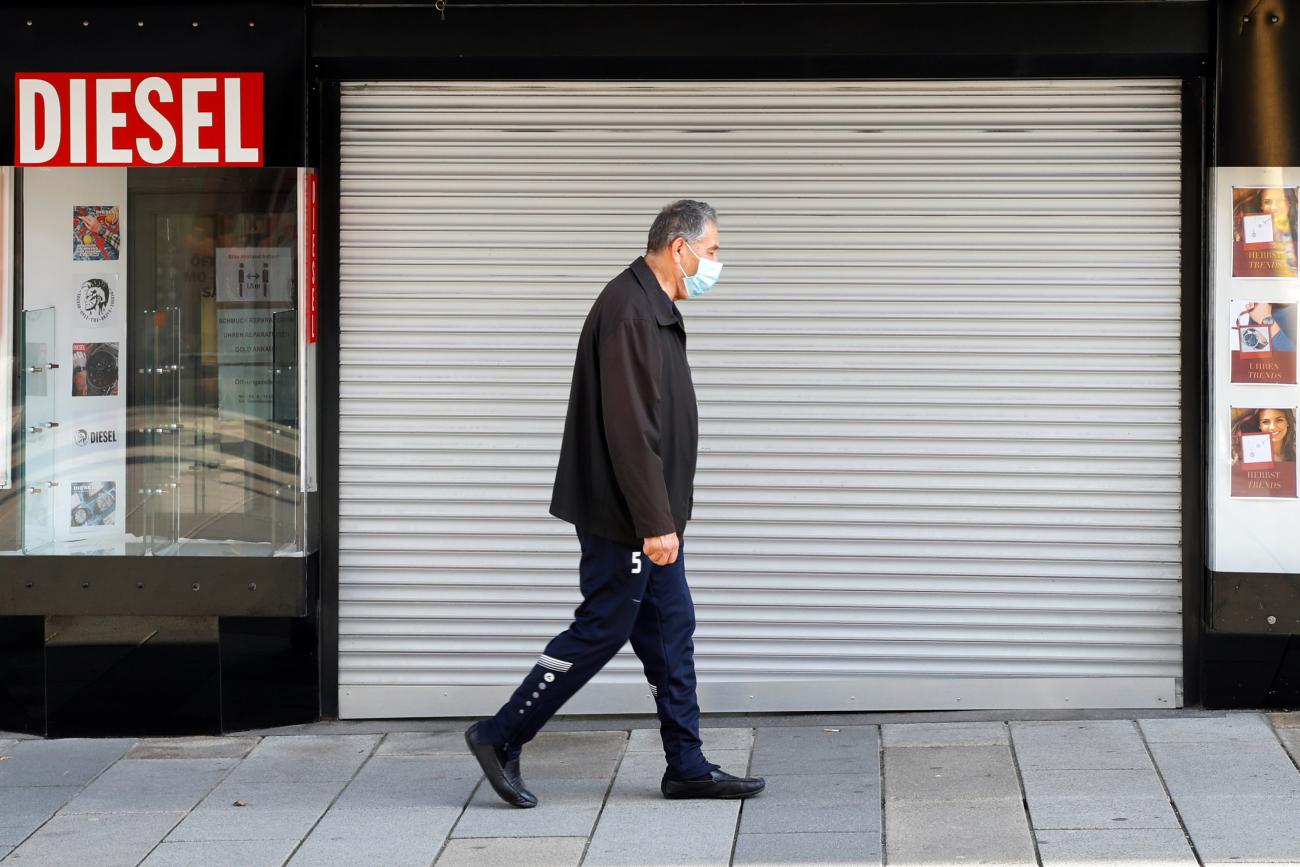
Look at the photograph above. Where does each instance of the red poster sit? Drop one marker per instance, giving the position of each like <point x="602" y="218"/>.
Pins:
<point x="1264" y="232"/>
<point x="1275" y="481"/>
<point x="1262" y="342"/>
<point x="1263" y="452"/>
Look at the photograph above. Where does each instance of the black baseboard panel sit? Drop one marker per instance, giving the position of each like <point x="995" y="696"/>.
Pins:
<point x="22" y="675"/>
<point x="132" y="676"/>
<point x="64" y="676"/>
<point x="1250" y="671"/>
<point x="270" y="672"/>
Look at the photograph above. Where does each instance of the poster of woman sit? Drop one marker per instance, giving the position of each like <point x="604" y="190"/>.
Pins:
<point x="1264" y="232"/>
<point x="1262" y="340"/>
<point x="1263" y="452"/>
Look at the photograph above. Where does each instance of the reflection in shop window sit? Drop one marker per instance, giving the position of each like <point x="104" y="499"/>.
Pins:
<point x="163" y="359"/>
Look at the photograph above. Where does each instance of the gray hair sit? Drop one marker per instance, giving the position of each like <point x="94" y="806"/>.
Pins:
<point x="686" y="218"/>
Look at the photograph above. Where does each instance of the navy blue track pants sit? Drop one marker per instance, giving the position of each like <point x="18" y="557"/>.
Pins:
<point x="624" y="596"/>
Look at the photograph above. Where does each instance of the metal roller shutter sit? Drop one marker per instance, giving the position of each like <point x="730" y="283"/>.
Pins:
<point x="939" y="386"/>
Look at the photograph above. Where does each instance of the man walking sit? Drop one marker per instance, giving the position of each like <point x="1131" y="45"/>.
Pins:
<point x="625" y="479"/>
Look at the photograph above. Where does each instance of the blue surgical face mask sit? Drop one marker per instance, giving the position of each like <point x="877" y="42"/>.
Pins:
<point x="706" y="274"/>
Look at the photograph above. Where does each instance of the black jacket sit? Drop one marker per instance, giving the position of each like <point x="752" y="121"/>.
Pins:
<point x="627" y="464"/>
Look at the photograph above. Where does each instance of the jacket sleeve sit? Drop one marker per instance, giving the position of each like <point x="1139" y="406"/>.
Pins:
<point x="630" y="367"/>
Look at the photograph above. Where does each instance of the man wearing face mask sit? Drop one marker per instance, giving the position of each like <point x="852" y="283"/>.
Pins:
<point x="625" y="478"/>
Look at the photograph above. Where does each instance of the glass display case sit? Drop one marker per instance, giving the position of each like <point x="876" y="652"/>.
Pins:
<point x="164" y="350"/>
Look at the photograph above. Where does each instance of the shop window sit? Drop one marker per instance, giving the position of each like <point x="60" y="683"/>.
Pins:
<point x="163" y="362"/>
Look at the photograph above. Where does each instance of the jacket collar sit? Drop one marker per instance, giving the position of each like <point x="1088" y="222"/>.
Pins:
<point x="666" y="312"/>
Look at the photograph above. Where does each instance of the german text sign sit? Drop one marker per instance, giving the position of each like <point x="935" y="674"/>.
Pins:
<point x="138" y="119"/>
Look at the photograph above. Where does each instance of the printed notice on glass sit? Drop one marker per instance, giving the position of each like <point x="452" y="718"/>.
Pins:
<point x="1262" y="342"/>
<point x="1264" y="232"/>
<point x="245" y="376"/>
<point x="1263" y="452"/>
<point x="254" y="274"/>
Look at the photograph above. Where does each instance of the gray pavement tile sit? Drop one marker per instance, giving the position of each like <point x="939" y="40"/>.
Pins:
<point x="192" y="748"/>
<point x="1101" y="813"/>
<point x="812" y="750"/>
<point x="565" y="808"/>
<point x="936" y="833"/>
<point x="5" y="744"/>
<point x="821" y="803"/>
<point x="412" y="782"/>
<point x="213" y="824"/>
<point x="1092" y="784"/>
<point x="639" y="774"/>
<point x="1285" y="720"/>
<point x="119" y="840"/>
<point x="735" y="762"/>
<point x="222" y="853"/>
<point x="648" y="740"/>
<point x="22" y="811"/>
<point x="422" y="744"/>
<point x="151" y="786"/>
<point x="69" y="762"/>
<point x="537" y="852"/>
<point x="1081" y="731"/>
<point x="271" y="811"/>
<point x="1228" y="769"/>
<point x="840" y="849"/>
<point x="668" y="832"/>
<point x="1194" y="730"/>
<point x="973" y="734"/>
<point x="1243" y="828"/>
<point x="4" y="850"/>
<point x="1125" y="848"/>
<point x="274" y="796"/>
<point x="1290" y="738"/>
<point x="429" y="823"/>
<point x="950" y="774"/>
<point x="309" y="758"/>
<point x="364" y="838"/>
<point x="1091" y="745"/>
<point x="573" y="756"/>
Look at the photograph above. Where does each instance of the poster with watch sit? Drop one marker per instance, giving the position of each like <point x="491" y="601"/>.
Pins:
<point x="1262" y="340"/>
<point x="94" y="369"/>
<point x="1263" y="452"/>
<point x="94" y="504"/>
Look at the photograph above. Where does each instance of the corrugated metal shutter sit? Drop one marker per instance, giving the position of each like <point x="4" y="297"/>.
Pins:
<point x="939" y="385"/>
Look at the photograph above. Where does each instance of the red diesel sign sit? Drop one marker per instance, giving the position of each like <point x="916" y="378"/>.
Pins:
<point x="138" y="119"/>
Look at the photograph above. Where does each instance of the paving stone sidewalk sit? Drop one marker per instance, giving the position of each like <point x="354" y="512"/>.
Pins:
<point x="1180" y="790"/>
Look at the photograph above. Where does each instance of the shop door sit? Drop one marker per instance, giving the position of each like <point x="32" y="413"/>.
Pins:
<point x="939" y="386"/>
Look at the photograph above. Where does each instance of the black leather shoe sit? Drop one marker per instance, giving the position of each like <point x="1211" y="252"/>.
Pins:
<point x="490" y="760"/>
<point x="720" y="784"/>
<point x="517" y="780"/>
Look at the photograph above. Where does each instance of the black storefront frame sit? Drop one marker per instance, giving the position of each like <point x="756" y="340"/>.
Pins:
<point x="231" y="659"/>
<point x="1076" y="54"/>
<point x="522" y="40"/>
<point x="1197" y="143"/>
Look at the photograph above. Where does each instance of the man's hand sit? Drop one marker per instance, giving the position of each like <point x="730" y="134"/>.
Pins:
<point x="662" y="550"/>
